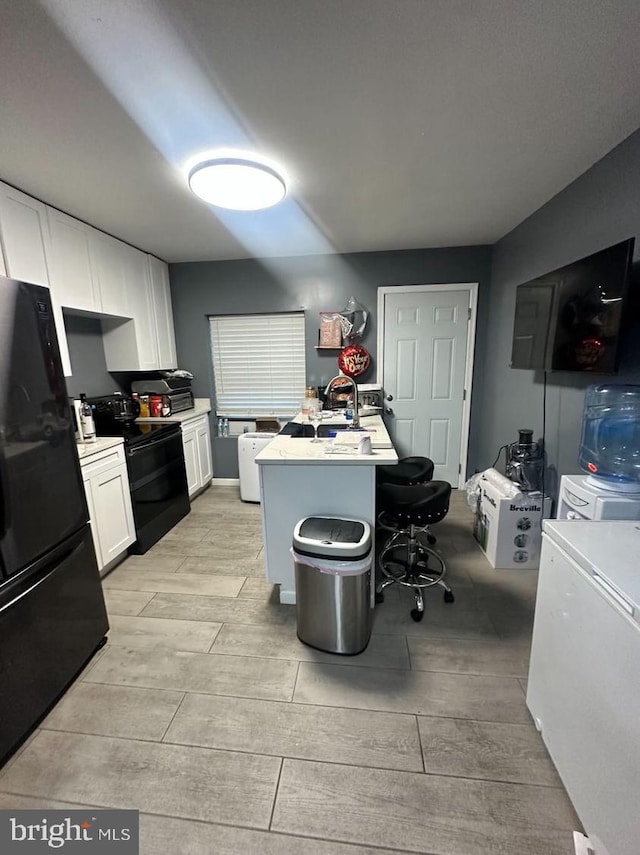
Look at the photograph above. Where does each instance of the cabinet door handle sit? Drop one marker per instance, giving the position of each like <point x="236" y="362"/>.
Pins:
<point x="620" y="600"/>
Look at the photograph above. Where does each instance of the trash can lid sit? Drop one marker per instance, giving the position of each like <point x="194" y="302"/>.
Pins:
<point x="332" y="537"/>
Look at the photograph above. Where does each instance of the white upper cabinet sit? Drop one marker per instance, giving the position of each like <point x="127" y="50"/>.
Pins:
<point x="24" y="235"/>
<point x="90" y="271"/>
<point x="72" y="275"/>
<point x="161" y="295"/>
<point x="147" y="342"/>
<point x="108" y="257"/>
<point x="141" y="302"/>
<point x="23" y="232"/>
<point x="133" y="346"/>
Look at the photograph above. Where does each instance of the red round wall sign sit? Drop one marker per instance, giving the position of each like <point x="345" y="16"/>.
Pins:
<point x="354" y="360"/>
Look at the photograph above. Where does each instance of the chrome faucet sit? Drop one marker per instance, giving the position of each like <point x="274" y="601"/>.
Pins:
<point x="328" y="393"/>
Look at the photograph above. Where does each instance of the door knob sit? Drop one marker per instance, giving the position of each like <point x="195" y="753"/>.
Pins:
<point x="389" y="397"/>
<point x="388" y="411"/>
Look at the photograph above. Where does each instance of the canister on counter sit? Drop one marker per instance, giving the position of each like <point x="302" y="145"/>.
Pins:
<point x="309" y="400"/>
<point x="145" y="411"/>
<point x="155" y="406"/>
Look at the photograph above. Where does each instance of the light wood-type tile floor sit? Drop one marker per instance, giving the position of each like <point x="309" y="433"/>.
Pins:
<point x="207" y="714"/>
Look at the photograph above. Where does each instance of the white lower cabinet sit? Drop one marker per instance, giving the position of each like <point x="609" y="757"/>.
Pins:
<point x="196" y="441"/>
<point x="106" y="485"/>
<point x="190" y="445"/>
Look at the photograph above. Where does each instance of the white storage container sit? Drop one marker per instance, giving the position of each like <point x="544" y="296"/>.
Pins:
<point x="249" y="446"/>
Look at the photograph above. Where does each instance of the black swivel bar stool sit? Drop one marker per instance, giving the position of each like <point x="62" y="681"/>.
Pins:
<point x="407" y="511"/>
<point x="407" y="471"/>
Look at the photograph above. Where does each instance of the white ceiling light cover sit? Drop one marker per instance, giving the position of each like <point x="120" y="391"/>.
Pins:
<point x="238" y="184"/>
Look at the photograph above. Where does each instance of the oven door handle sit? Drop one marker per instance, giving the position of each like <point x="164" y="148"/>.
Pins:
<point x="152" y="443"/>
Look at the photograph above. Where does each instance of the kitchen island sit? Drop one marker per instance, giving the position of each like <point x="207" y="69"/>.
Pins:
<point x="301" y="478"/>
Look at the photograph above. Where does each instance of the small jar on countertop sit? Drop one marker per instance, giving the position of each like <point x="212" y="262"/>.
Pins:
<point x="155" y="406"/>
<point x="145" y="412"/>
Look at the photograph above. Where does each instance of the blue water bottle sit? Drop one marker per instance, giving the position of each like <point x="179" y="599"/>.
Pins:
<point x="610" y="442"/>
<point x="348" y="412"/>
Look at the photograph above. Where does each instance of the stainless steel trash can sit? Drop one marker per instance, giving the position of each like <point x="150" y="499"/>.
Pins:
<point x="333" y="583"/>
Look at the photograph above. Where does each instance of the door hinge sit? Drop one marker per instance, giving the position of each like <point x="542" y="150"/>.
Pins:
<point x="464" y="394"/>
<point x="459" y="468"/>
<point x="469" y="313"/>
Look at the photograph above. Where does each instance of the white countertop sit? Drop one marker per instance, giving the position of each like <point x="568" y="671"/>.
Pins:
<point x="607" y="548"/>
<point x="298" y="450"/>
<point x="201" y="407"/>
<point x="102" y="443"/>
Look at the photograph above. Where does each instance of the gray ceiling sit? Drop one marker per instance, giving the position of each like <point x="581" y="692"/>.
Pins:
<point x="400" y="123"/>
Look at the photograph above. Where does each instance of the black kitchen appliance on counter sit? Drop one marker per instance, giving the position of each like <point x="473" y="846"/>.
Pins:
<point x="175" y="390"/>
<point x="52" y="611"/>
<point x="155" y="464"/>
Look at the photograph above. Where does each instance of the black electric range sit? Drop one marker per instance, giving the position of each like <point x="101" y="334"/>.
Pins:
<point x="155" y="464"/>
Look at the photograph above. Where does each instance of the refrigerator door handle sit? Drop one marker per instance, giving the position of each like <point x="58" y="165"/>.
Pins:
<point x="26" y="593"/>
<point x="59" y="559"/>
<point x="5" y="515"/>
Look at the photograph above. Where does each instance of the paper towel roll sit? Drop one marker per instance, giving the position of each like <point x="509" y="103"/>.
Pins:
<point x="508" y="489"/>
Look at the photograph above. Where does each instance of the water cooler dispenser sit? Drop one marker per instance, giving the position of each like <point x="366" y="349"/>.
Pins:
<point x="610" y="454"/>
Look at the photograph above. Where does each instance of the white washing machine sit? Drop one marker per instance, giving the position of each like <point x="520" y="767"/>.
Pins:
<point x="249" y="446"/>
<point x="579" y="499"/>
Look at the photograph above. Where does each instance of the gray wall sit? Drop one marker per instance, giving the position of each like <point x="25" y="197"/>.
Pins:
<point x="315" y="284"/>
<point x="600" y="208"/>
<point x="86" y="350"/>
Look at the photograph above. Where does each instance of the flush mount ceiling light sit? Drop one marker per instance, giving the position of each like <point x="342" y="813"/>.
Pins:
<point x="237" y="183"/>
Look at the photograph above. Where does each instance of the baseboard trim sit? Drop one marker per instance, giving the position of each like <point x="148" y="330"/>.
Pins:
<point x="226" y="482"/>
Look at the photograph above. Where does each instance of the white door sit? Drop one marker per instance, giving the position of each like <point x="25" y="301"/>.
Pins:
<point x="71" y="273"/>
<point x="23" y="225"/>
<point x="427" y="358"/>
<point x="191" y="462"/>
<point x="164" y="315"/>
<point x="204" y="452"/>
<point x="113" y="512"/>
<point x="108" y="255"/>
<point x="92" y="522"/>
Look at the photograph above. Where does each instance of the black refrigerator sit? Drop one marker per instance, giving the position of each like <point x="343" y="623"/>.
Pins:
<point x="52" y="611"/>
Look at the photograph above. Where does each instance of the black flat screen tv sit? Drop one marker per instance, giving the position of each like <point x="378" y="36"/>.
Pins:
<point x="570" y="319"/>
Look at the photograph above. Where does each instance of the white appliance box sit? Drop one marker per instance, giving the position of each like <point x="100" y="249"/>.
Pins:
<point x="508" y="531"/>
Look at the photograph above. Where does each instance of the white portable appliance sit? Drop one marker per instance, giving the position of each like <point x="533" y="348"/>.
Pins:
<point x="583" y="689"/>
<point x="249" y="446"/>
<point x="580" y="499"/>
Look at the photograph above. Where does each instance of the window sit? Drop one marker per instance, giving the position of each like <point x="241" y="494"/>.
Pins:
<point x="258" y="364"/>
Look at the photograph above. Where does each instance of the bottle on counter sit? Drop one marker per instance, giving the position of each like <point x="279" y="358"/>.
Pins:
<point x="225" y="427"/>
<point x="220" y="428"/>
<point x="87" y="425"/>
<point x="145" y="412"/>
<point x="155" y="406"/>
<point x="308" y="401"/>
<point x="349" y="410"/>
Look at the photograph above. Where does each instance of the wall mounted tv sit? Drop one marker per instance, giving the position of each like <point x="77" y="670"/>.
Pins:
<point x="570" y="319"/>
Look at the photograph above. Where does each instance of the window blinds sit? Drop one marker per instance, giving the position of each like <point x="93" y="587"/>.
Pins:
<point x="258" y="363"/>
